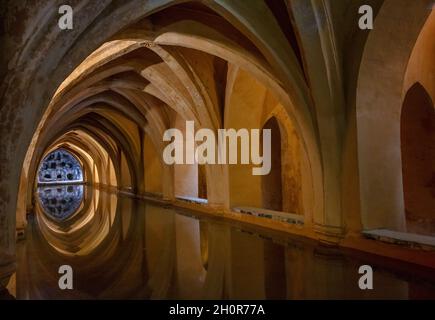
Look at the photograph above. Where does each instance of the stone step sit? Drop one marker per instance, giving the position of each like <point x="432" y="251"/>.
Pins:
<point x="401" y="238"/>
<point x="271" y="214"/>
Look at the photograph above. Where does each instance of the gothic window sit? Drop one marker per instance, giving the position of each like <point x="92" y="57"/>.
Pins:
<point x="60" y="166"/>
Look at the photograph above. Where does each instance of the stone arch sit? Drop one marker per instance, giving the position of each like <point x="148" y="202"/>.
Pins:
<point x="378" y="105"/>
<point x="418" y="160"/>
<point x="276" y="67"/>
<point x="272" y="184"/>
<point x="243" y="111"/>
<point x="297" y="188"/>
<point x="253" y="111"/>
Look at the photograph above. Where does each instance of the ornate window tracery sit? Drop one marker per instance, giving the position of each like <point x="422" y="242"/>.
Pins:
<point x="60" y="166"/>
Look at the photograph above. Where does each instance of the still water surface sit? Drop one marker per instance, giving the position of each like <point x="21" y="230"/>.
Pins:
<point x="126" y="248"/>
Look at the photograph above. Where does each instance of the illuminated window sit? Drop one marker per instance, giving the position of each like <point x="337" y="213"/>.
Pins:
<point x="60" y="166"/>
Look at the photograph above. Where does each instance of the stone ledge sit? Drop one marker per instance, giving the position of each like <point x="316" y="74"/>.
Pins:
<point x="401" y="238"/>
<point x="192" y="199"/>
<point x="271" y="214"/>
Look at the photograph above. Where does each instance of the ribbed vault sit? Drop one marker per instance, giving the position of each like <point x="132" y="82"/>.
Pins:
<point x="109" y="88"/>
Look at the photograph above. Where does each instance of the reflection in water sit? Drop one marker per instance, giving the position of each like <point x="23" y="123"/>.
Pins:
<point x="119" y="247"/>
<point x="60" y="201"/>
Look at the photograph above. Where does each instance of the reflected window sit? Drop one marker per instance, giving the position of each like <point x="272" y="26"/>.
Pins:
<point x="60" y="202"/>
<point x="60" y="166"/>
